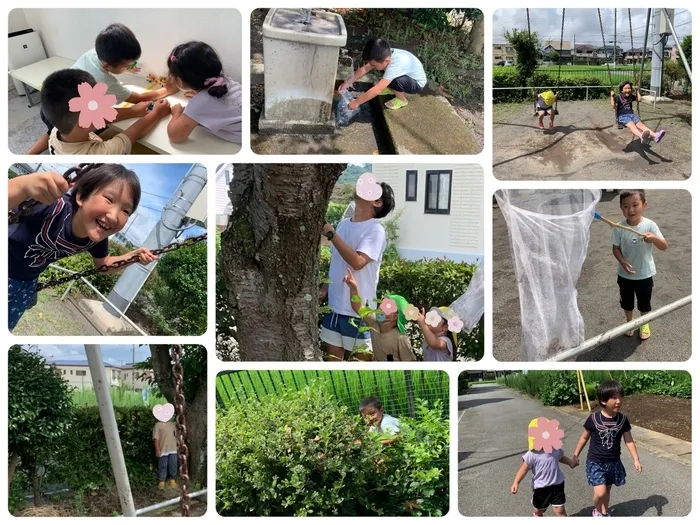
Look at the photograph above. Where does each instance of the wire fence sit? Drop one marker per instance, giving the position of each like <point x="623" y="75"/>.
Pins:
<point x="399" y="390"/>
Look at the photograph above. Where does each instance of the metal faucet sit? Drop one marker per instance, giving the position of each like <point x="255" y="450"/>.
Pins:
<point x="307" y="19"/>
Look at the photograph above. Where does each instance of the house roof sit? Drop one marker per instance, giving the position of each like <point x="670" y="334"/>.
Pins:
<point x="585" y="47"/>
<point x="68" y="362"/>
<point x="565" y="46"/>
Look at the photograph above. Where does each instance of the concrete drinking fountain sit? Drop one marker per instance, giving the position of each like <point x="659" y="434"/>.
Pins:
<point x="301" y="49"/>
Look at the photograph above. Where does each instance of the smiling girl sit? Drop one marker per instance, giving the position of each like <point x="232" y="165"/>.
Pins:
<point x="66" y="222"/>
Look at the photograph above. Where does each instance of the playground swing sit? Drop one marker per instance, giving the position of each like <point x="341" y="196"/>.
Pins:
<point x="561" y="44"/>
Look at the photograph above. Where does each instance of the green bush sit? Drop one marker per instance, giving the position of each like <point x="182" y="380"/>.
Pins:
<point x="335" y="212"/>
<point x="83" y="461"/>
<point x="301" y="454"/>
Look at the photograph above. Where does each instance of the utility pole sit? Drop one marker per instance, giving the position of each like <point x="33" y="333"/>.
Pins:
<point x="164" y="232"/>
<point x="657" y="56"/>
<point x="615" y="42"/>
<point x="133" y="366"/>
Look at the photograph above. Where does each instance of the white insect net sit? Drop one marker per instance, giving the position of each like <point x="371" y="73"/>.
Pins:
<point x="470" y="305"/>
<point x="549" y="231"/>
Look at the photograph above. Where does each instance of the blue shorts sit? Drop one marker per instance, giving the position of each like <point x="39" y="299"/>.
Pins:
<point x="20" y="296"/>
<point x="626" y="119"/>
<point x="608" y="473"/>
<point x="336" y="330"/>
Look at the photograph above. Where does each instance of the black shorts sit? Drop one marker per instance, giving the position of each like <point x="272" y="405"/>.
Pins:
<point x="641" y="288"/>
<point x="552" y="495"/>
<point x="49" y="126"/>
<point x="546" y="110"/>
<point x="405" y="84"/>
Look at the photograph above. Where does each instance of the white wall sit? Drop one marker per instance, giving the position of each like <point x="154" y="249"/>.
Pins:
<point x="71" y="32"/>
<point x="16" y="22"/>
<point x="433" y="235"/>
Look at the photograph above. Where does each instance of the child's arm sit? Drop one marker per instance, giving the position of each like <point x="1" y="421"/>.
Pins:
<point x="632" y="447"/>
<point x="354" y="291"/>
<point x="431" y="339"/>
<point x="46" y="188"/>
<point x="138" y="110"/>
<point x="612" y="100"/>
<point x="657" y="241"/>
<point x="573" y="463"/>
<point x="519" y="476"/>
<point x="617" y="253"/>
<point x="369" y="94"/>
<point x="180" y="125"/>
<point x="144" y="125"/>
<point x="157" y="446"/>
<point x="154" y="94"/>
<point x="145" y="257"/>
<point x="583" y="440"/>
<point x="356" y="260"/>
<point x="639" y="95"/>
<point x="361" y="72"/>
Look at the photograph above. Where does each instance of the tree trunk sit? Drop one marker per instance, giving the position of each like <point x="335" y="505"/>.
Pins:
<point x="14" y="459"/>
<point x="270" y="257"/>
<point x="195" y="409"/>
<point x="36" y="485"/>
<point x="476" y="36"/>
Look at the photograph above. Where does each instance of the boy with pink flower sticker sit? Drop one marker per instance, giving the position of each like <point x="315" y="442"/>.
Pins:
<point x="542" y="459"/>
<point x="77" y="106"/>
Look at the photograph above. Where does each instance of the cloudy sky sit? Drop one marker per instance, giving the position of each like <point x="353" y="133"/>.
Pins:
<point x="112" y="354"/>
<point x="582" y="25"/>
<point x="158" y="183"/>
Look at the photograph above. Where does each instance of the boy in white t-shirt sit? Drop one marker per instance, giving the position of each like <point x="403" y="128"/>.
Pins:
<point x="372" y="411"/>
<point x="403" y="74"/>
<point x="357" y="243"/>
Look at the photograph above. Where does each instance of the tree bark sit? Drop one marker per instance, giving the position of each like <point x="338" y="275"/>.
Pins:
<point x="36" y="485"/>
<point x="14" y="459"/>
<point x="195" y="410"/>
<point x="270" y="255"/>
<point x="476" y="36"/>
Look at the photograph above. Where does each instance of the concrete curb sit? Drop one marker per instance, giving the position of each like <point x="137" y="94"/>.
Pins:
<point x="656" y="442"/>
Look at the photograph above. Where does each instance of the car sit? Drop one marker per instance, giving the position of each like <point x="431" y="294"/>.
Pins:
<point x="508" y="63"/>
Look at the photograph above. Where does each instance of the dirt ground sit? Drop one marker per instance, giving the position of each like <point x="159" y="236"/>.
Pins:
<point x="665" y="414"/>
<point x="105" y="502"/>
<point x="585" y="144"/>
<point x="597" y="287"/>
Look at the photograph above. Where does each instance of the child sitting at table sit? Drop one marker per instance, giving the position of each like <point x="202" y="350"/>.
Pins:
<point x="116" y="49"/>
<point x="73" y="133"/>
<point x="216" y="102"/>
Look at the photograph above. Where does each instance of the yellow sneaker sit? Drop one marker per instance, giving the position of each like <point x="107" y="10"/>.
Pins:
<point x="161" y="484"/>
<point x="173" y="484"/>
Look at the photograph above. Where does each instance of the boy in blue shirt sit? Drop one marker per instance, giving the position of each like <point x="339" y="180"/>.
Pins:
<point x="636" y="269"/>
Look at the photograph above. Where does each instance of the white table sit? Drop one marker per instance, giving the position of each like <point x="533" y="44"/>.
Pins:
<point x="33" y="75"/>
<point x="200" y="141"/>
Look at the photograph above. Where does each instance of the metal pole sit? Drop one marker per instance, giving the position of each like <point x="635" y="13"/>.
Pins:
<point x="615" y="42"/>
<point x="657" y="56"/>
<point x="168" y="503"/>
<point x="644" y="49"/>
<point x="109" y="425"/>
<point x="598" y="340"/>
<point x="678" y="44"/>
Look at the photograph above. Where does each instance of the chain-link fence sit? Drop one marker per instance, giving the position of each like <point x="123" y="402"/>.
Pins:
<point x="399" y="390"/>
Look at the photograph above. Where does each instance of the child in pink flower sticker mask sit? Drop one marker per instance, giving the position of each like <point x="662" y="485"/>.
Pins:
<point x="543" y="458"/>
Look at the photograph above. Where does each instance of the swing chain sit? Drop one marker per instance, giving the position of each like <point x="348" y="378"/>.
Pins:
<point x="120" y="264"/>
<point x="638" y="81"/>
<point x="561" y="45"/>
<point x="181" y="426"/>
<point x="605" y="48"/>
<point x="71" y="176"/>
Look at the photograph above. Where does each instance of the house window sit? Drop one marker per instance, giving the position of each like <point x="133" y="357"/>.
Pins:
<point x="497" y="57"/>
<point x="80" y="372"/>
<point x="71" y="372"/>
<point x="438" y="191"/>
<point x="411" y="185"/>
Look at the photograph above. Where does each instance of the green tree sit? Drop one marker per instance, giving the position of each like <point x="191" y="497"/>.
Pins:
<point x="687" y="47"/>
<point x="528" y="52"/>
<point x="183" y="299"/>
<point x="39" y="413"/>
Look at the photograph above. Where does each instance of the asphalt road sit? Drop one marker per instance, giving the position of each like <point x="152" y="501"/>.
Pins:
<point x="597" y="287"/>
<point x="585" y="144"/>
<point x="493" y="437"/>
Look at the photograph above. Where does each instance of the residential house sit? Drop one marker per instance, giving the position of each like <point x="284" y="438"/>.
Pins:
<point x="77" y="372"/>
<point x="563" y="48"/>
<point x="503" y="53"/>
<point x="135" y="378"/>
<point x="224" y="176"/>
<point x="635" y="55"/>
<point x="585" y="52"/>
<point x="442" y="209"/>
<point x="607" y="51"/>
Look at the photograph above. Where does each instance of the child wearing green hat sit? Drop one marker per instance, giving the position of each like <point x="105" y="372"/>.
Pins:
<point x="388" y="331"/>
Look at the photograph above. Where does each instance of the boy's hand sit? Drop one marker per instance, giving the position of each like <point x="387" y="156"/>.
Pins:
<point x="344" y="86"/>
<point x="327" y="228"/>
<point x="190" y="93"/>
<point x="649" y="237"/>
<point x="628" y="268"/>
<point x="353" y="105"/>
<point x="46" y="188"/>
<point x="140" y="109"/>
<point x="161" y="108"/>
<point x="145" y="255"/>
<point x="177" y="109"/>
<point x="349" y="279"/>
<point x="421" y="317"/>
<point x="514" y="488"/>
<point x="637" y="466"/>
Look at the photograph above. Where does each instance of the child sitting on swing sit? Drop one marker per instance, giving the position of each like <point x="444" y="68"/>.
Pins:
<point x="545" y="106"/>
<point x="622" y="104"/>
